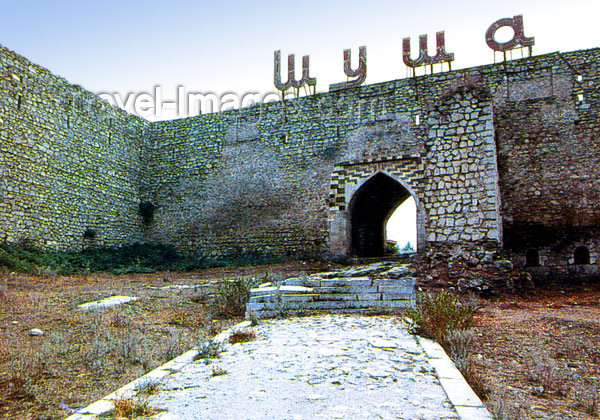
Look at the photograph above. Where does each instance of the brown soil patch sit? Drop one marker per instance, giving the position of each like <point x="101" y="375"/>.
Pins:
<point x="84" y="356"/>
<point x="538" y="356"/>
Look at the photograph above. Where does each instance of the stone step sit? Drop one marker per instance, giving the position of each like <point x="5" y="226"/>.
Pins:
<point x="315" y="297"/>
<point x="402" y="282"/>
<point x="346" y="289"/>
<point x="312" y="281"/>
<point x="349" y="282"/>
<point x="300" y="312"/>
<point x="348" y="297"/>
<point x="361" y="290"/>
<point x="334" y="297"/>
<point x="379" y="288"/>
<point x="345" y="282"/>
<point x="368" y="297"/>
<point x="398" y="296"/>
<point x="283" y="289"/>
<point x="321" y="282"/>
<point x="330" y="305"/>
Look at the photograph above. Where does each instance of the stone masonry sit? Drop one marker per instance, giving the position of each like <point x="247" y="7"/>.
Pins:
<point x="379" y="287"/>
<point x="69" y="162"/>
<point x="503" y="154"/>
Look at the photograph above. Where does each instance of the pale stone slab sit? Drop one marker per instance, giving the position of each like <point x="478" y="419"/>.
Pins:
<point x="432" y="349"/>
<point x="105" y="303"/>
<point x="263" y="291"/>
<point x="465" y="401"/>
<point x="473" y="413"/>
<point x="445" y="368"/>
<point x="295" y="289"/>
<point x="311" y="368"/>
<point x="178" y="287"/>
<point x="397" y="272"/>
<point x="460" y="393"/>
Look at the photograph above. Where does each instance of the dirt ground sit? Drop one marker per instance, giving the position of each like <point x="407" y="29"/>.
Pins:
<point x="538" y="356"/>
<point x="535" y="356"/>
<point x="85" y="355"/>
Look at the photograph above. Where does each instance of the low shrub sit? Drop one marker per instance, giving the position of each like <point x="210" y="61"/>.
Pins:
<point x="231" y="297"/>
<point x="173" y="344"/>
<point x="439" y="313"/>
<point x="148" y="387"/>
<point x="136" y="258"/>
<point x="209" y="349"/>
<point x="459" y="344"/>
<point x="21" y="375"/>
<point x="501" y="408"/>
<point x="587" y="401"/>
<point x="544" y="372"/>
<point x="448" y="319"/>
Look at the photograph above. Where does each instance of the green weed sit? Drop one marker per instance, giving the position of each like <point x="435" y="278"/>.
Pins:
<point x="231" y="297"/>
<point x="437" y="314"/>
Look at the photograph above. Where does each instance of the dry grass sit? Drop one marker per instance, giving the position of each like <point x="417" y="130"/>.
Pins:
<point x="149" y="387"/>
<point x="537" y="354"/>
<point x="545" y="374"/>
<point x="131" y="408"/>
<point x="242" y="336"/>
<point x="527" y="357"/>
<point x="208" y="349"/>
<point x="502" y="407"/>
<point x="218" y="371"/>
<point x="520" y="343"/>
<point x="84" y="356"/>
<point x="232" y="296"/>
<point x="438" y="314"/>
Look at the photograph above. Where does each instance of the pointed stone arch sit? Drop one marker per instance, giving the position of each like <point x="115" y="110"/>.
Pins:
<point x="371" y="202"/>
<point x="406" y="174"/>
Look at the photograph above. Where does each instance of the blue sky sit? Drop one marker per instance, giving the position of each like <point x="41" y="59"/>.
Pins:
<point x="227" y="46"/>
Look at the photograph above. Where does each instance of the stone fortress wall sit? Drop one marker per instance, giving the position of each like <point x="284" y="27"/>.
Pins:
<point x="503" y="154"/>
<point x="70" y="164"/>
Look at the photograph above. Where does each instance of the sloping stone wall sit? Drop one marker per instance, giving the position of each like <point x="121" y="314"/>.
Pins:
<point x="69" y="163"/>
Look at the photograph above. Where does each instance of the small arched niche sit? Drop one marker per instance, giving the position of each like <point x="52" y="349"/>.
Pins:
<point x="532" y="258"/>
<point x="581" y="256"/>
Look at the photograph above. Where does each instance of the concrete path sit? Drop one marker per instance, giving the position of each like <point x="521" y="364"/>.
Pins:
<point x="321" y="367"/>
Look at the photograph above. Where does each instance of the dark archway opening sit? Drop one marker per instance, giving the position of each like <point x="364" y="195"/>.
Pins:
<point x="370" y="208"/>
<point x="581" y="256"/>
<point x="532" y="258"/>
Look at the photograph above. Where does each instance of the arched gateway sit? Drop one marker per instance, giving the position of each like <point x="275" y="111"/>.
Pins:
<point x="370" y="208"/>
<point x="357" y="226"/>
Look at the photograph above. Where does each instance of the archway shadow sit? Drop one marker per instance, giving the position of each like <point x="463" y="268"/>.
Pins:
<point x="370" y="207"/>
